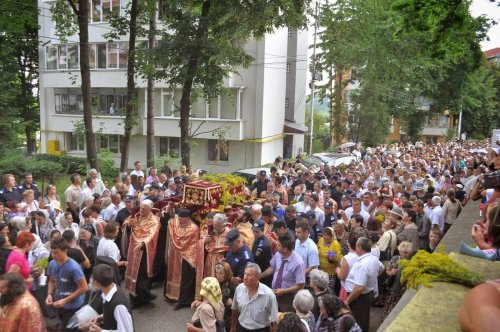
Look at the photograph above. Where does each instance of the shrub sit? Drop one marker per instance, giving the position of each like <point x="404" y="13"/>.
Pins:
<point x="70" y="164"/>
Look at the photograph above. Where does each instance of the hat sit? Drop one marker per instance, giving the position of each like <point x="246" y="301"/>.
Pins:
<point x="154" y="186"/>
<point x="419" y="186"/>
<point x="328" y="205"/>
<point x="231" y="236"/>
<point x="129" y="198"/>
<point x="258" y="225"/>
<point x="349" y="182"/>
<point x="334" y="177"/>
<point x="178" y="180"/>
<point x="397" y="211"/>
<point x="210" y="289"/>
<point x="280" y="223"/>
<point x="301" y="216"/>
<point x="262" y="173"/>
<point x="311" y="215"/>
<point x="184" y="213"/>
<point x="460" y="186"/>
<point x="56" y="205"/>
<point x="346" y="197"/>
<point x="89" y="228"/>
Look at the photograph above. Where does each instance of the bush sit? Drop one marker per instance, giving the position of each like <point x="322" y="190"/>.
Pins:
<point x="70" y="164"/>
<point x="42" y="170"/>
<point x="107" y="167"/>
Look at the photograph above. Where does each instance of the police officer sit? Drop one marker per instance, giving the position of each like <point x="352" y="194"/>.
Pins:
<point x="280" y="228"/>
<point x="261" y="250"/>
<point x="10" y="192"/>
<point x="238" y="255"/>
<point x="261" y="184"/>
<point x="330" y="217"/>
<point x="317" y="231"/>
<point x="29" y="184"/>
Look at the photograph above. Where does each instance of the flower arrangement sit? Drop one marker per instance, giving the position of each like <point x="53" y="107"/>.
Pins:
<point x="42" y="263"/>
<point x="425" y="268"/>
<point x="232" y="188"/>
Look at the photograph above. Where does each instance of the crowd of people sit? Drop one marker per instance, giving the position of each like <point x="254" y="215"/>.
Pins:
<point x="310" y="248"/>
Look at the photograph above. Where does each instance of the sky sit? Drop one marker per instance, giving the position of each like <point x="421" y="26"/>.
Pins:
<point x="491" y="10"/>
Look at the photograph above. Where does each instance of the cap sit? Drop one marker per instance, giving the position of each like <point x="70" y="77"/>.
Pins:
<point x="154" y="186"/>
<point x="460" y="186"/>
<point x="347" y="181"/>
<point x="280" y="223"/>
<point x="328" y="205"/>
<point x="89" y="228"/>
<point x="178" y="180"/>
<point x="184" y="213"/>
<point x="231" y="236"/>
<point x="419" y="186"/>
<point x="397" y="211"/>
<point x="311" y="215"/>
<point x="262" y="173"/>
<point x="301" y="216"/>
<point x="346" y="197"/>
<point x="334" y="177"/>
<point x="129" y="198"/>
<point x="258" y="225"/>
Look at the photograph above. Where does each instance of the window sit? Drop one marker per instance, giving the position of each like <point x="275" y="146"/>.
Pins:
<point x="170" y="146"/>
<point x="123" y="55"/>
<point x="51" y="57"/>
<point x="109" y="142"/>
<point x="101" y="56"/>
<point x="102" y="8"/>
<point x="68" y="101"/>
<point x="72" y="56"/>
<point x="228" y="104"/>
<point x="287" y="103"/>
<point x="75" y="141"/>
<point x="92" y="56"/>
<point x="216" y="152"/>
<point x="288" y="66"/>
<point x="113" y="55"/>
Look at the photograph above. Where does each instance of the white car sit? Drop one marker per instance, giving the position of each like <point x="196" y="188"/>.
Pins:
<point x="250" y="174"/>
<point x="330" y="159"/>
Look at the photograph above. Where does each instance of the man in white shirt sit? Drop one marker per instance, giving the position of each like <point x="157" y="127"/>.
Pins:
<point x="366" y="202"/>
<point x="355" y="209"/>
<point x="437" y="215"/>
<point x="112" y="210"/>
<point x="304" y="205"/>
<point x="137" y="171"/>
<point x="254" y="304"/>
<point x="99" y="184"/>
<point x="313" y="206"/>
<point x="361" y="283"/>
<point x="305" y="247"/>
<point x="115" y="307"/>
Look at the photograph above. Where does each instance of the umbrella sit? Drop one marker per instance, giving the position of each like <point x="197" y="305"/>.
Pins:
<point x="347" y="145"/>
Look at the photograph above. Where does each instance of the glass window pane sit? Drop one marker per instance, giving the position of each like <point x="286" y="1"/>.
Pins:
<point x="123" y="55"/>
<point x="73" y="57"/>
<point x="73" y="141"/>
<point x="228" y="105"/>
<point x="92" y="56"/>
<point x="114" y="143"/>
<point x="106" y="8"/>
<point x="115" y="6"/>
<point x="167" y="105"/>
<point x="101" y="56"/>
<point x="174" y="146"/>
<point x="81" y="142"/>
<point x="158" y="95"/>
<point x="103" y="105"/>
<point x="177" y="102"/>
<point x="96" y="10"/>
<point x="51" y="57"/>
<point x="212" y="151"/>
<point x="198" y="109"/>
<point x="163" y="146"/>
<point x="213" y="108"/>
<point x="113" y="55"/>
<point x="62" y="57"/>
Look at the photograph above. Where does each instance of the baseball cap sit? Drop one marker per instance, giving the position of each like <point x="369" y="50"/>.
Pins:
<point x="129" y="198"/>
<point x="232" y="236"/>
<point x="280" y="223"/>
<point x="346" y="197"/>
<point x="328" y="205"/>
<point x="311" y="215"/>
<point x="262" y="173"/>
<point x="258" y="225"/>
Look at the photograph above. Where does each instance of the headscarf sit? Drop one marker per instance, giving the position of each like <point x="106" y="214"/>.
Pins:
<point x="39" y="251"/>
<point x="210" y="290"/>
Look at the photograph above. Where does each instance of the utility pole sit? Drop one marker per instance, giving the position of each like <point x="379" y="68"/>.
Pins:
<point x="460" y="124"/>
<point x="313" y="74"/>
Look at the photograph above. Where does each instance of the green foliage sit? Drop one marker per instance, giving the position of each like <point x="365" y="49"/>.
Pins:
<point x="42" y="170"/>
<point x="67" y="23"/>
<point x="320" y="130"/>
<point x="173" y="161"/>
<point x="425" y="268"/>
<point x="70" y="164"/>
<point x="107" y="167"/>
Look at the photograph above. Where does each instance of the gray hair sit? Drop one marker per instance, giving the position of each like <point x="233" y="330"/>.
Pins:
<point x="148" y="203"/>
<point x="256" y="207"/>
<point x="319" y="278"/>
<point x="436" y="200"/>
<point x="365" y="244"/>
<point x="255" y="268"/>
<point x="303" y="301"/>
<point x="220" y="219"/>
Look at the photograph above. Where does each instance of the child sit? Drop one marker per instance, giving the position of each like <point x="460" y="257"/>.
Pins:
<point x="435" y="236"/>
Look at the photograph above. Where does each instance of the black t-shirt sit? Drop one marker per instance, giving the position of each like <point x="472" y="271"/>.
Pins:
<point x="74" y="253"/>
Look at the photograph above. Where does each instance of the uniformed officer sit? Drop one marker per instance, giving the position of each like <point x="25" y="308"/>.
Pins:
<point x="261" y="250"/>
<point x="29" y="184"/>
<point x="238" y="255"/>
<point x="280" y="228"/>
<point x="260" y="184"/>
<point x="330" y="217"/>
<point x="313" y="224"/>
<point x="10" y="192"/>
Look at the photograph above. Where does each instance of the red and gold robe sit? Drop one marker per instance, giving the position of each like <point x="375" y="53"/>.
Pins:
<point x="182" y="244"/>
<point x="144" y="230"/>
<point x="23" y="314"/>
<point x="216" y="251"/>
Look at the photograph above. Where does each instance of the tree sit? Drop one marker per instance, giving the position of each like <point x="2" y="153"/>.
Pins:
<point x="19" y="72"/>
<point x="202" y="43"/>
<point x="72" y="16"/>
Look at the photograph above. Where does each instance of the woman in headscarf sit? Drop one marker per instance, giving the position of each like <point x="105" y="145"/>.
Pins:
<point x="329" y="254"/>
<point x="210" y="310"/>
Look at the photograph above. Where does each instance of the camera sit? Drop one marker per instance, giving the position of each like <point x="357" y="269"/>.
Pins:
<point x="492" y="180"/>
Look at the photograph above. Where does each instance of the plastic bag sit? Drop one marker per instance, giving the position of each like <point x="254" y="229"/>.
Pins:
<point x="84" y="315"/>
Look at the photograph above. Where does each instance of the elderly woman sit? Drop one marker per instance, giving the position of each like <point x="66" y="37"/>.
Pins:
<point x="66" y="223"/>
<point x="210" y="310"/>
<point x="224" y="275"/>
<point x="409" y="231"/>
<point x="319" y="284"/>
<point x="342" y="234"/>
<point x="388" y="241"/>
<point x="43" y="225"/>
<point x="29" y="201"/>
<point x="303" y="303"/>
<point x="329" y="253"/>
<point x="335" y="315"/>
<point x="396" y="288"/>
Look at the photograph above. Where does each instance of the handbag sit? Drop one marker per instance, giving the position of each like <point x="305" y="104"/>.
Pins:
<point x="386" y="255"/>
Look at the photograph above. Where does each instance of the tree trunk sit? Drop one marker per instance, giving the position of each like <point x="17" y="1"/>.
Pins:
<point x="83" y="23"/>
<point x="185" y="104"/>
<point x="150" y="131"/>
<point x="129" y="116"/>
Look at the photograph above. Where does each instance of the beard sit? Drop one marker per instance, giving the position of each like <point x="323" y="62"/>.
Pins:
<point x="7" y="298"/>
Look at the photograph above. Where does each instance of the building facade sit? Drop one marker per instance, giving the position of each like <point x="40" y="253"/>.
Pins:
<point x="262" y="114"/>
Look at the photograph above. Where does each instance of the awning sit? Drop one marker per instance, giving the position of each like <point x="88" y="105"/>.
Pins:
<point x="295" y="128"/>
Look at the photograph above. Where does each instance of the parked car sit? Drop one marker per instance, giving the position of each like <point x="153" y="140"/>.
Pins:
<point x="330" y="159"/>
<point x="250" y="174"/>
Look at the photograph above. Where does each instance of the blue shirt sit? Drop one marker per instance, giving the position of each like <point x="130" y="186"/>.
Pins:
<point x="279" y="212"/>
<point x="238" y="260"/>
<point x="293" y="272"/>
<point x="308" y="251"/>
<point x="65" y="277"/>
